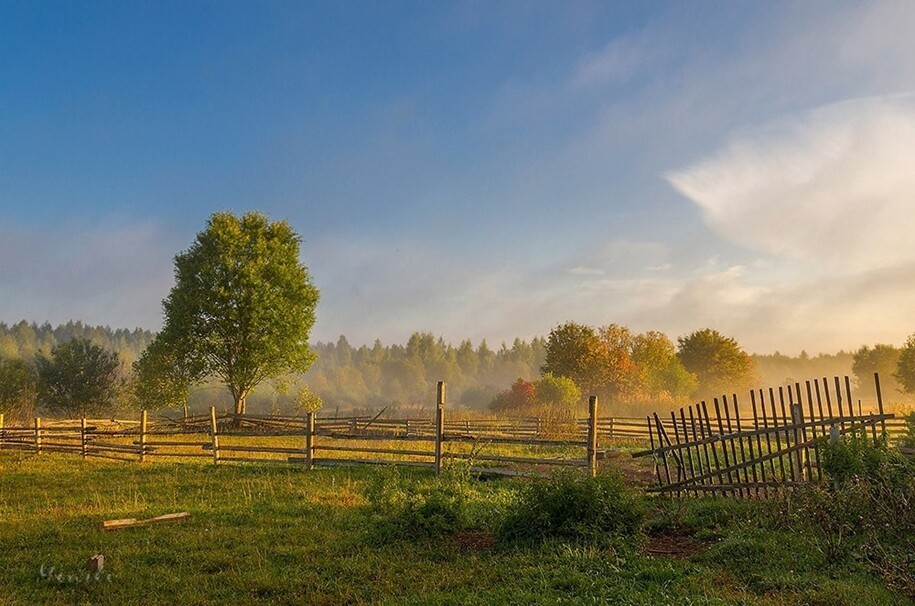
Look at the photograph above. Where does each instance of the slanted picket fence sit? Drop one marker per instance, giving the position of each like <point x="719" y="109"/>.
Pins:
<point x="778" y="446"/>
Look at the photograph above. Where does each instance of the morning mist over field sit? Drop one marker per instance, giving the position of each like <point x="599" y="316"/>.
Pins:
<point x="476" y="170"/>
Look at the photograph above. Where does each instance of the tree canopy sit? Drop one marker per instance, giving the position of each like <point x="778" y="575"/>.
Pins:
<point x="242" y="307"/>
<point x="881" y="358"/>
<point x="78" y="379"/>
<point x="717" y="361"/>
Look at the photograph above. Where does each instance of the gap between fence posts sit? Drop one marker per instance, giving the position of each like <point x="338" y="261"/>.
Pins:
<point x="592" y="436"/>
<point x="309" y="440"/>
<point x="142" y="436"/>
<point x="214" y="435"/>
<point x="439" y="425"/>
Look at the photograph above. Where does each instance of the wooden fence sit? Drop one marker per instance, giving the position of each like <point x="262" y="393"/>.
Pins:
<point x="778" y="447"/>
<point x="313" y="441"/>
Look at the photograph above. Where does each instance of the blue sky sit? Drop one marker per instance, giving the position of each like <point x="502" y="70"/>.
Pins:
<point x="475" y="169"/>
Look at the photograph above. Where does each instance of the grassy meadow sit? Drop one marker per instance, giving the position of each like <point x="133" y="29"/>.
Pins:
<point x="279" y="534"/>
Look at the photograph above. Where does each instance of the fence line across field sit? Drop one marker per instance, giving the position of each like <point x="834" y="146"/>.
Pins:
<point x="689" y="447"/>
<point x="226" y="434"/>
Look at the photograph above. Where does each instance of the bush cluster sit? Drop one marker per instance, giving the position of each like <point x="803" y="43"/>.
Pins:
<point x="575" y="507"/>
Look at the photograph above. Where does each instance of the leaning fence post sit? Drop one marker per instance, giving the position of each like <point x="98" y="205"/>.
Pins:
<point x="797" y="420"/>
<point x="142" y="436"/>
<point x="439" y="425"/>
<point x="82" y="437"/>
<point x="592" y="436"/>
<point x="38" y="435"/>
<point x="879" y="401"/>
<point x="309" y="440"/>
<point x="214" y="435"/>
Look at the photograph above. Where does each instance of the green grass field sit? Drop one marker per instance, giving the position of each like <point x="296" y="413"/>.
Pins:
<point x="281" y="535"/>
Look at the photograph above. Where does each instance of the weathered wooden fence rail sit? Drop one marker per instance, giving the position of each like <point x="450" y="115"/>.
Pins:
<point x="313" y="441"/>
<point x="778" y="447"/>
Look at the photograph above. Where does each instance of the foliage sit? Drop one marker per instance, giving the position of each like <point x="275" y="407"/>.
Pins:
<point x="905" y="366"/>
<point x="18" y="384"/>
<point x="161" y="378"/>
<point x="402" y="509"/>
<point x="717" y="361"/>
<point x="865" y="510"/>
<point x="521" y="396"/>
<point x="308" y="400"/>
<point x="661" y="373"/>
<point x="880" y="358"/>
<point x="557" y="394"/>
<point x="574" y="507"/>
<point x="79" y="379"/>
<point x="242" y="306"/>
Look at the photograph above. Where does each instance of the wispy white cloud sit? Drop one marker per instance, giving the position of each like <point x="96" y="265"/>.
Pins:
<point x="833" y="186"/>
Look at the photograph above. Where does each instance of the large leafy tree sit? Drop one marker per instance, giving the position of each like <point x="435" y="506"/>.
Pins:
<point x="242" y="307"/>
<point x="599" y="361"/>
<point x="661" y="373"/>
<point x="880" y="358"/>
<point x="78" y="379"/>
<point x="717" y="361"/>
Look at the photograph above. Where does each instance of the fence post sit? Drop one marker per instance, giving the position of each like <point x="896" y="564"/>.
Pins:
<point x="38" y="435"/>
<point x="797" y="418"/>
<point x="879" y="401"/>
<point x="214" y="435"/>
<point x="142" y="436"/>
<point x="82" y="437"/>
<point x="2" y="431"/>
<point x="592" y="436"/>
<point x="439" y="425"/>
<point x="309" y="440"/>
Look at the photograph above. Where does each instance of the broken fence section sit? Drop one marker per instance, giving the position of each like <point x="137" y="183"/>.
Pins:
<point x="773" y="445"/>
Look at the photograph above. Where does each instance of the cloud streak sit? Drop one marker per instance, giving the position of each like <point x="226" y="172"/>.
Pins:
<point x="833" y="186"/>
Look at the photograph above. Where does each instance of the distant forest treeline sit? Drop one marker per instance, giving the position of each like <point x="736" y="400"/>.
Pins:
<point x="403" y="377"/>
<point x="26" y="340"/>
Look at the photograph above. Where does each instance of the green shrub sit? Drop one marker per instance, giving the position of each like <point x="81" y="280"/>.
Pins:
<point x="573" y="506"/>
<point x="403" y="509"/>
<point x="865" y="512"/>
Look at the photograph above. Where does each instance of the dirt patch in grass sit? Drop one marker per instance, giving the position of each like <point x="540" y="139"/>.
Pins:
<point x="675" y="543"/>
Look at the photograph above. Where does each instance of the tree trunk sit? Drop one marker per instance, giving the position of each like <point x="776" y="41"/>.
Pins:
<point x="240" y="406"/>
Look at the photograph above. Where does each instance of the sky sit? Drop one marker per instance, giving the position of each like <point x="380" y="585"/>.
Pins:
<point x="476" y="169"/>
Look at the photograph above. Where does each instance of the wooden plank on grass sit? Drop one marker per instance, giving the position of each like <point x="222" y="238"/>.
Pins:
<point x="131" y="522"/>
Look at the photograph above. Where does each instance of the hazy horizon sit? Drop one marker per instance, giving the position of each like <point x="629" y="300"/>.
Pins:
<point x="474" y="170"/>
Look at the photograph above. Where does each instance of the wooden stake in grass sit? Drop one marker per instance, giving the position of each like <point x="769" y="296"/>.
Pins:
<point x="309" y="440"/>
<point x="592" y="436"/>
<point x="214" y="435"/>
<point x="142" y="436"/>
<point x="439" y="425"/>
